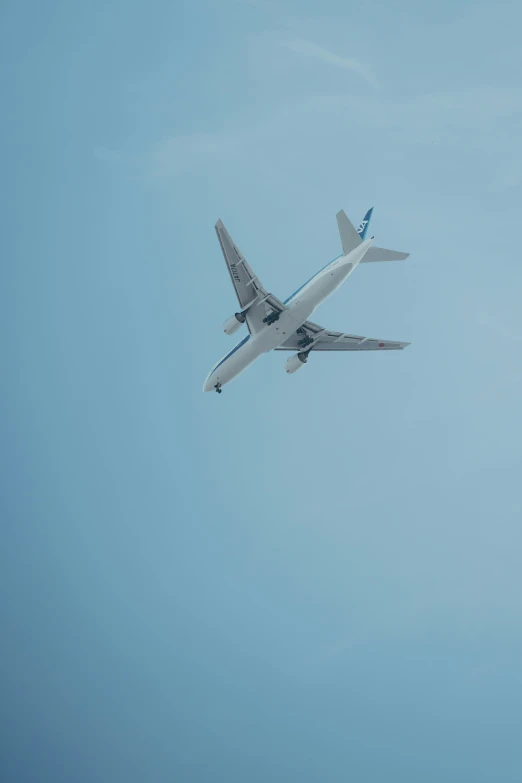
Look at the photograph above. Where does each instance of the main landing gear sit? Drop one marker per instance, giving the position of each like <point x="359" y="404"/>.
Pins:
<point x="305" y="337"/>
<point x="271" y="318"/>
<point x="218" y="388"/>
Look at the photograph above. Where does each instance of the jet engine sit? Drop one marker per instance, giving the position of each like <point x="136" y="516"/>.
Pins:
<point x="233" y="323"/>
<point x="295" y="362"/>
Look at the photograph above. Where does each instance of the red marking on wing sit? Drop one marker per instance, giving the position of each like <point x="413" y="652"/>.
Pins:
<point x="381" y="345"/>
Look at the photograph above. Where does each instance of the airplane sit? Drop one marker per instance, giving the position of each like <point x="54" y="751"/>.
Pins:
<point x="284" y="326"/>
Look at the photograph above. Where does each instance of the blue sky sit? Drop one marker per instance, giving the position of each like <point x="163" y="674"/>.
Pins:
<point x="313" y="577"/>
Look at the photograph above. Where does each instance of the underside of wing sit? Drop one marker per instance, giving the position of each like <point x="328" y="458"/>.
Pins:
<point x="246" y="284"/>
<point x="312" y="337"/>
<point x="258" y="307"/>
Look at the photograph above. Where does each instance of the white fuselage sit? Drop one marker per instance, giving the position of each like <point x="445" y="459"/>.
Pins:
<point x="299" y="308"/>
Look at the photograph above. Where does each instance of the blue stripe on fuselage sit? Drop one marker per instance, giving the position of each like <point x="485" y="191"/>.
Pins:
<point x="309" y="281"/>
<point x="229" y="354"/>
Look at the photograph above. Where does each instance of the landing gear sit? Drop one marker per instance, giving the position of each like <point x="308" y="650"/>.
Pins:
<point x="306" y="339"/>
<point x="217" y="387"/>
<point x="271" y="318"/>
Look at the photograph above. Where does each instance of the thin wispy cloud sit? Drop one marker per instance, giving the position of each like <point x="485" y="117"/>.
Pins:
<point x="312" y="50"/>
<point x="174" y="154"/>
<point x="308" y="124"/>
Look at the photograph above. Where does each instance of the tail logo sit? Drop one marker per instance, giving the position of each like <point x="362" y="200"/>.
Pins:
<point x="364" y="225"/>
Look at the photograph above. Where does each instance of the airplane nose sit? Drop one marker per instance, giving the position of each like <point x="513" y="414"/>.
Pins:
<point x="208" y="385"/>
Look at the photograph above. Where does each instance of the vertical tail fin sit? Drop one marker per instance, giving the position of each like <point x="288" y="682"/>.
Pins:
<point x="363" y="228"/>
<point x="349" y="237"/>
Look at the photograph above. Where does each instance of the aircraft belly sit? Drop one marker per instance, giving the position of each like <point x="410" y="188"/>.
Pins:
<point x="236" y="363"/>
<point x="269" y="338"/>
<point x="280" y="331"/>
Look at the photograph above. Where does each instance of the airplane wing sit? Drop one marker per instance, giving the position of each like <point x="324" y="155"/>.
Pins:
<point x="253" y="299"/>
<point x="314" y="338"/>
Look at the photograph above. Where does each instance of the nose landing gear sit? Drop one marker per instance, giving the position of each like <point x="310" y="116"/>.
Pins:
<point x="217" y="387"/>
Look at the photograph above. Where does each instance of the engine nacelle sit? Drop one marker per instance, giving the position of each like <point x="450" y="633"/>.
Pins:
<point x="233" y="323"/>
<point x="295" y="362"/>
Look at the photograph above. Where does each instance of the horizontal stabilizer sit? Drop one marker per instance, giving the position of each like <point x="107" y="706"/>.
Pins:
<point x="380" y="254"/>
<point x="349" y="236"/>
